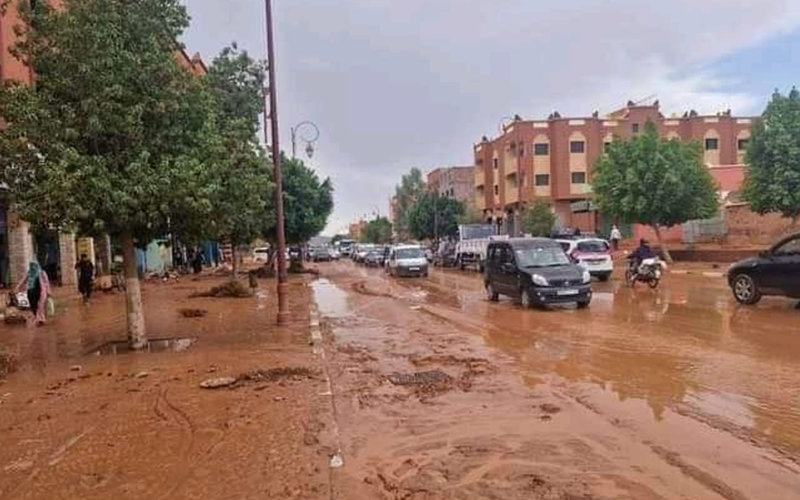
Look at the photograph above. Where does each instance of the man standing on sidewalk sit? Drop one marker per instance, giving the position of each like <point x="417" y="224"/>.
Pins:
<point x="85" y="270"/>
<point x="615" y="236"/>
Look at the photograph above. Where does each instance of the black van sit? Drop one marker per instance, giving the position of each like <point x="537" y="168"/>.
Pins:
<point x="536" y="271"/>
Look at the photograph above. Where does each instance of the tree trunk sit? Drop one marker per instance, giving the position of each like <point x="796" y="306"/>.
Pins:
<point x="137" y="336"/>
<point x="662" y="245"/>
<point x="235" y="254"/>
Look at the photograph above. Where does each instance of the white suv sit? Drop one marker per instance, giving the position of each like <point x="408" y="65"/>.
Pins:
<point x="593" y="254"/>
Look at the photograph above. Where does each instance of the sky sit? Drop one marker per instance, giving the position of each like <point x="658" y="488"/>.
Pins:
<point x="396" y="84"/>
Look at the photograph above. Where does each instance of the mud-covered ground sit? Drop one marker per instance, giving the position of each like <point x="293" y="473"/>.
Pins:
<point x="423" y="388"/>
<point x="138" y="426"/>
<point x="675" y="393"/>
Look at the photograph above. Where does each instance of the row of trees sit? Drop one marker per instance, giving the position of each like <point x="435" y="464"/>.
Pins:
<point x="117" y="137"/>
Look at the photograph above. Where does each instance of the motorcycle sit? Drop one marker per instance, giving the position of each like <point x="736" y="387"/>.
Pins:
<point x="649" y="271"/>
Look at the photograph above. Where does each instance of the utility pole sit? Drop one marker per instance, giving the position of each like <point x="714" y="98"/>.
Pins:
<point x="283" y="278"/>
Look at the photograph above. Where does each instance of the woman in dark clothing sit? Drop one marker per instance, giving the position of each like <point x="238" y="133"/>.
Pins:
<point x="38" y="287"/>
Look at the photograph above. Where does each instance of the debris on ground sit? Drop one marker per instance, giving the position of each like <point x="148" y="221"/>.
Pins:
<point x="8" y="363"/>
<point x="271" y="375"/>
<point x="141" y="375"/>
<point x="425" y="384"/>
<point x="549" y="408"/>
<point x="233" y="288"/>
<point x="75" y="368"/>
<point x="216" y="383"/>
<point x="193" y="313"/>
<point x="13" y="316"/>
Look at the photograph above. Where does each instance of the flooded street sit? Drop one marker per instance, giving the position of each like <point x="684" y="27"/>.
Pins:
<point x="674" y="393"/>
<point x="386" y="388"/>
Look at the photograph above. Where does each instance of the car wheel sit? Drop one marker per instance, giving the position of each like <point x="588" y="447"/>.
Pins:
<point x="604" y="277"/>
<point x="583" y="304"/>
<point x="745" y="290"/>
<point x="491" y="294"/>
<point x="525" y="299"/>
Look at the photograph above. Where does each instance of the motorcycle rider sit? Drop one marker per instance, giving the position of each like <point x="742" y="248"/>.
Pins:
<point x="640" y="254"/>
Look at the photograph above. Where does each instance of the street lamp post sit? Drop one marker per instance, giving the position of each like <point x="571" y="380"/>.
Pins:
<point x="309" y="140"/>
<point x="283" y="278"/>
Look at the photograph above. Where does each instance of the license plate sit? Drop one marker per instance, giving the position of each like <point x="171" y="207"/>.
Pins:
<point x="413" y="269"/>
<point x="570" y="291"/>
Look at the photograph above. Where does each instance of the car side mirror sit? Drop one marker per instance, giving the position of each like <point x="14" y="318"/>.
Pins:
<point x="508" y="267"/>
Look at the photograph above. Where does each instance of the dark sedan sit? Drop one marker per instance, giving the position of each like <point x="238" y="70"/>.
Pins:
<point x="774" y="272"/>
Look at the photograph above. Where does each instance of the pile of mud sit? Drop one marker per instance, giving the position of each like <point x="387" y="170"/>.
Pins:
<point x="233" y="289"/>
<point x="192" y="313"/>
<point x="295" y="374"/>
<point x="424" y="384"/>
<point x="8" y="363"/>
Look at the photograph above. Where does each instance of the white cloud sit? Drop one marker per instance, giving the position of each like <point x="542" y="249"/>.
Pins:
<point x="401" y="83"/>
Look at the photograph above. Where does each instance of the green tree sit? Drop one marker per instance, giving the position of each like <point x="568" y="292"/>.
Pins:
<point x="307" y="201"/>
<point x="538" y="219"/>
<point x="472" y="215"/>
<point x="411" y="186"/>
<point x="773" y="158"/>
<point x="114" y="136"/>
<point x="379" y="231"/>
<point x="654" y="181"/>
<point x="242" y="190"/>
<point x="433" y="216"/>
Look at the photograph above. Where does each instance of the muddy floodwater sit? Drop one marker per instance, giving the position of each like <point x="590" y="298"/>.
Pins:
<point x="414" y="389"/>
<point x="672" y="393"/>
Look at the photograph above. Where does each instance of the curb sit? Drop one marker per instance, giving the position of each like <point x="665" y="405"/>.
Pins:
<point x="705" y="274"/>
<point x="318" y="349"/>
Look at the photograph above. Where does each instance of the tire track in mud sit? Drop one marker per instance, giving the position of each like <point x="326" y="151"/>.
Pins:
<point x="170" y="413"/>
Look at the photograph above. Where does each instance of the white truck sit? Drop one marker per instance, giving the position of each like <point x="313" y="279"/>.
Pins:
<point x="473" y="240"/>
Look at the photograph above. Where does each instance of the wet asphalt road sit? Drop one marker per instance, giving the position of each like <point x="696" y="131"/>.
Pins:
<point x="670" y="363"/>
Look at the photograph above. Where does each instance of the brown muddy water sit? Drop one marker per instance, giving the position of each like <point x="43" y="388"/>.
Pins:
<point x="673" y="393"/>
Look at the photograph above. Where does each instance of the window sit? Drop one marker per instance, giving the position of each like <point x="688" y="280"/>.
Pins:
<point x="635" y="128"/>
<point x="541" y="180"/>
<point x="579" y="177"/>
<point x="505" y="255"/>
<point x="789" y="248"/>
<point x="742" y="144"/>
<point x="496" y="190"/>
<point x="541" y="149"/>
<point x="712" y="144"/>
<point x="577" y="146"/>
<point x="494" y="162"/>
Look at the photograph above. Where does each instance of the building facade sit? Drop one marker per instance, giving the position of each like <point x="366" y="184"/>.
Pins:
<point x="357" y="230"/>
<point x="552" y="159"/>
<point x="453" y="182"/>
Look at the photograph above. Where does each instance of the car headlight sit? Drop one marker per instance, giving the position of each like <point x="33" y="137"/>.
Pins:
<point x="587" y="278"/>
<point x="540" y="280"/>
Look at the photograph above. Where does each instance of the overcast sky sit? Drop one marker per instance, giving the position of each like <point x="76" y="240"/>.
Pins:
<point x="394" y="84"/>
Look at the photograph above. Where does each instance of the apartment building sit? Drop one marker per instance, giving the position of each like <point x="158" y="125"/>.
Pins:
<point x="552" y="159"/>
<point x="453" y="182"/>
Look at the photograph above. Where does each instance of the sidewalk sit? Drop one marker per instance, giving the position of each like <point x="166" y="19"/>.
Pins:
<point x="139" y="425"/>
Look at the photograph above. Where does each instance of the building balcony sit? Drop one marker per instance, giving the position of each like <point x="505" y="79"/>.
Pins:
<point x="480" y="201"/>
<point x="532" y="193"/>
<point x="480" y="177"/>
<point x="512" y="194"/>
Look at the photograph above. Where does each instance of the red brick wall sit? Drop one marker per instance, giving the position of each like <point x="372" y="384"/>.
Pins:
<point x="746" y="228"/>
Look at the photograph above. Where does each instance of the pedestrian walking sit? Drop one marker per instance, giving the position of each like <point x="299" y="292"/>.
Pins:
<point x="615" y="236"/>
<point x="197" y="261"/>
<point x="38" y="288"/>
<point x="85" y="270"/>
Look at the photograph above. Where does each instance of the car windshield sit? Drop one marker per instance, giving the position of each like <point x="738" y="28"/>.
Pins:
<point x="410" y="253"/>
<point x="540" y="256"/>
<point x="592" y="246"/>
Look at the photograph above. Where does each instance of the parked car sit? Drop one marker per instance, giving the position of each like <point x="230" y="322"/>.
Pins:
<point x="261" y="254"/>
<point x="360" y="253"/>
<point x="536" y="271"/>
<point x="407" y="260"/>
<point x="594" y="254"/>
<point x="334" y="254"/>
<point x="319" y="254"/>
<point x="374" y="258"/>
<point x="774" y="272"/>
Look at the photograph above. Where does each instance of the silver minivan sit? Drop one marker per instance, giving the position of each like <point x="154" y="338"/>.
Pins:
<point x="407" y="260"/>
